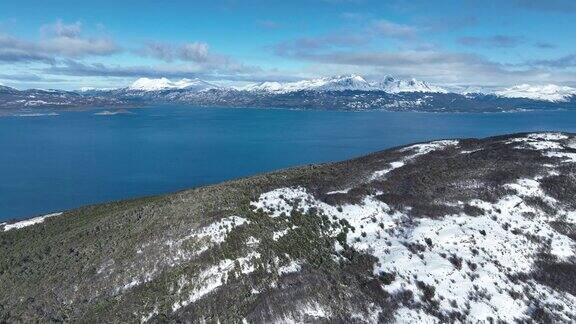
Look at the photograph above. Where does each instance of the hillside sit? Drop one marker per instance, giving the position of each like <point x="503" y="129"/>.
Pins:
<point x="469" y="230"/>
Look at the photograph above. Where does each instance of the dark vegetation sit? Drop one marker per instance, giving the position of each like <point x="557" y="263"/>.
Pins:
<point x="74" y="267"/>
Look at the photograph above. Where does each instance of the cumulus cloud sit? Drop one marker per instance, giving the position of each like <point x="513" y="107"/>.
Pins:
<point x="58" y="40"/>
<point x="352" y="52"/>
<point x="346" y="38"/>
<point x="307" y="44"/>
<point x="342" y="1"/>
<point x="159" y="50"/>
<point x="435" y="66"/>
<point x="268" y="24"/>
<point x="15" y="50"/>
<point x="21" y="77"/>
<point x="232" y="72"/>
<point x="545" y="45"/>
<point x="549" y="5"/>
<point x="567" y="61"/>
<point x="78" y="47"/>
<point x="61" y="29"/>
<point x="496" y="41"/>
<point x="447" y="23"/>
<point x="391" y="29"/>
<point x="194" y="52"/>
<point x="198" y="52"/>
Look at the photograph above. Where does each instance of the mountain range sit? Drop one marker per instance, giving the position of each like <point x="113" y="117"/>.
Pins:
<point x="458" y="230"/>
<point x="348" y="92"/>
<point x="346" y="83"/>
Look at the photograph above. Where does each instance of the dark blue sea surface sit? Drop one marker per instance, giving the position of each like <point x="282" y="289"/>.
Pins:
<point x="53" y="163"/>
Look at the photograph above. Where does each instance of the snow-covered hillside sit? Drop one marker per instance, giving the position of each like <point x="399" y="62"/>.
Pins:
<point x="550" y="92"/>
<point x="462" y="263"/>
<point x="464" y="231"/>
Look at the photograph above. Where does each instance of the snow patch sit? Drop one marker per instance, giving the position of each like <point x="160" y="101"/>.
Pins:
<point x="467" y="259"/>
<point x="279" y="201"/>
<point x="278" y="234"/>
<point x="213" y="277"/>
<point x="29" y="222"/>
<point x="218" y="231"/>
<point x="410" y="316"/>
<point x="540" y="141"/>
<point x="418" y="149"/>
<point x="567" y="156"/>
<point x="426" y="148"/>
<point x="344" y="191"/>
<point x="393" y="166"/>
<point x="548" y="136"/>
<point x="293" y="266"/>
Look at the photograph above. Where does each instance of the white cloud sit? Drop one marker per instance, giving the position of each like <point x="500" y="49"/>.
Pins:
<point x="61" y="29"/>
<point x="195" y="52"/>
<point x="58" y="40"/>
<point x="390" y="29"/>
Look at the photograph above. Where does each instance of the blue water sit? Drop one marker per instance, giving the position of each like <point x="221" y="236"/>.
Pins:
<point x="53" y="163"/>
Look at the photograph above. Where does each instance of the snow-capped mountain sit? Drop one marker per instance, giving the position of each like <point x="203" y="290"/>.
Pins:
<point x="344" y="83"/>
<point x="389" y="84"/>
<point x="146" y="84"/>
<point x="470" y="89"/>
<point x="268" y="86"/>
<point x="549" y="92"/>
<point x="337" y="83"/>
<point x="392" y="85"/>
<point x="347" y="92"/>
<point x="6" y="88"/>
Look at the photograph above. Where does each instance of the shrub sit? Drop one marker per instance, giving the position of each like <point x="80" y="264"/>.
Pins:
<point x="428" y="291"/>
<point x="456" y="261"/>
<point x="387" y="277"/>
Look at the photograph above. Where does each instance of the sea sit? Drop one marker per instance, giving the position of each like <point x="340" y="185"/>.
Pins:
<point x="59" y="160"/>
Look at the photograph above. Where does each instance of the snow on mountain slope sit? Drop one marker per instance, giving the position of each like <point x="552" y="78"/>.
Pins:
<point x="28" y="222"/>
<point x="269" y="86"/>
<point x="6" y="88"/>
<point x="146" y="84"/>
<point x="337" y="83"/>
<point x="392" y="85"/>
<point x="347" y="82"/>
<point x="461" y="264"/>
<point x="550" y="92"/>
<point x="343" y="83"/>
<point x="451" y="231"/>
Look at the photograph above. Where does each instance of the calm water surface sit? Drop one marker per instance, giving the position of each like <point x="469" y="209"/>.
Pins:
<point x="53" y="163"/>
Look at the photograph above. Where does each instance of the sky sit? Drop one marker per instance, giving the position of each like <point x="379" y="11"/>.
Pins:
<point x="61" y="44"/>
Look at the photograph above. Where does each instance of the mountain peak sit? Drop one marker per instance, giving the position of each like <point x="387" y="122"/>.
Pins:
<point x="393" y="85"/>
<point x="147" y="84"/>
<point x="343" y="82"/>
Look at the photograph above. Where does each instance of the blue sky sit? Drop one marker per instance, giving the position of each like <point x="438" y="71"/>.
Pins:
<point x="73" y="44"/>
